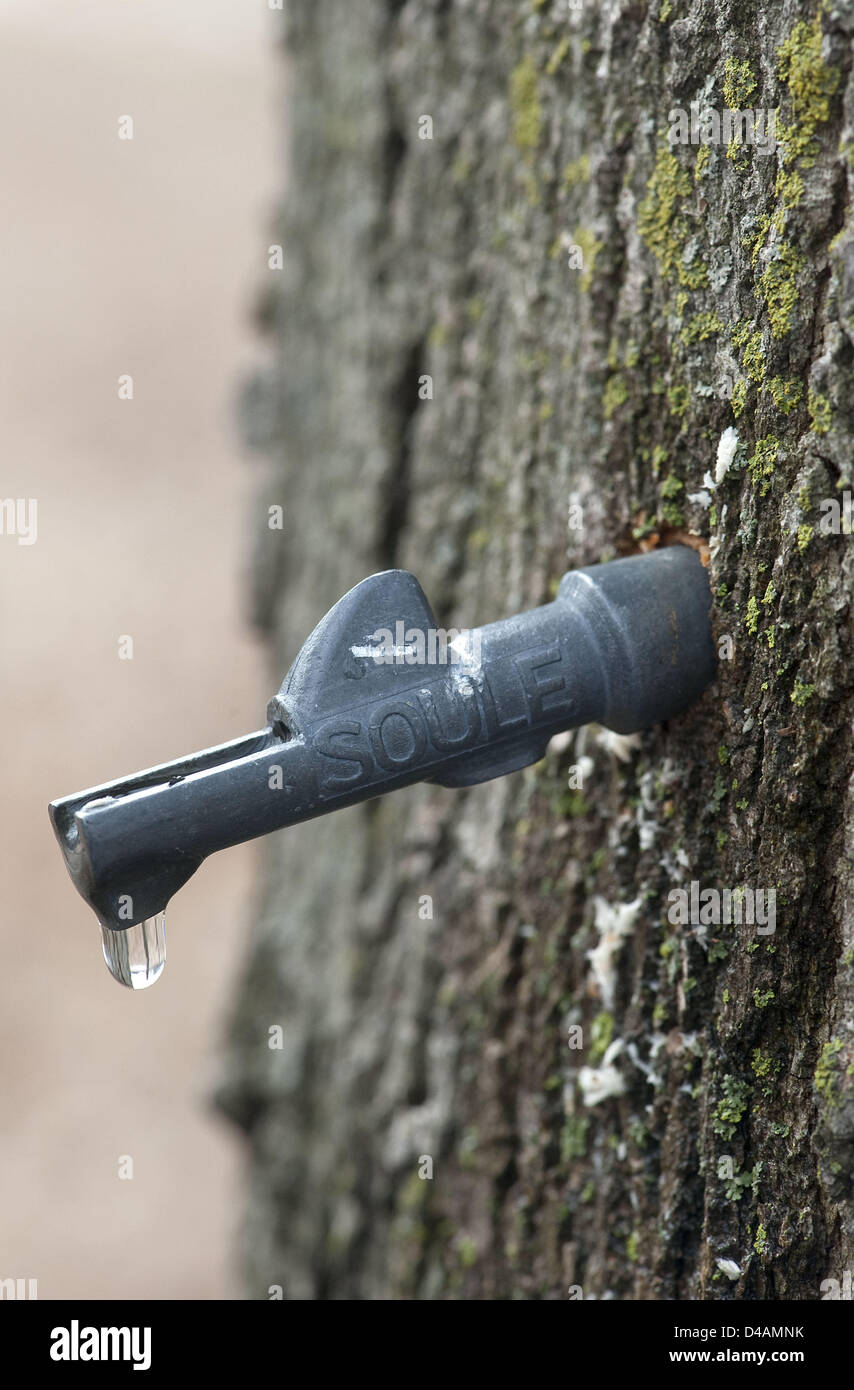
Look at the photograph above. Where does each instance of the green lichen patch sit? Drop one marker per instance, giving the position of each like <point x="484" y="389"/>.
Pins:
<point x="525" y="105"/>
<point x="737" y="1185"/>
<point x="760" y="465"/>
<point x="573" y="1138"/>
<point x="739" y="84"/>
<point x="577" y="172"/>
<point x="825" y="1072"/>
<point x="601" y="1035"/>
<point x="777" y="287"/>
<point x="558" y="56"/>
<point x="786" y="393"/>
<point x="616" y="393"/>
<point x="751" y="621"/>
<point x="663" y="231"/>
<point x="753" y="357"/>
<point x="701" y="327"/>
<point x="678" y="397"/>
<point x="589" y="247"/>
<point x="811" y="85"/>
<point x="731" y="1107"/>
<point x="819" y="409"/>
<point x="738" y="398"/>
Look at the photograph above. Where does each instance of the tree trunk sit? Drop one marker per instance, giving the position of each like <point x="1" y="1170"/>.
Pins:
<point x="517" y="317"/>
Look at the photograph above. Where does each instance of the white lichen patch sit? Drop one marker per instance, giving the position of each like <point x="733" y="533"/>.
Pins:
<point x="729" y="1268"/>
<point x="614" y="922"/>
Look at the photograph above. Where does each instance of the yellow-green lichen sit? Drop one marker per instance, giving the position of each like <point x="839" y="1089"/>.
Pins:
<point x="670" y="489"/>
<point x="525" y="105"/>
<point x="678" y="397"/>
<point x="786" y="393"/>
<point x="739" y="84"/>
<point x="778" y="289"/>
<point x="761" y="1063"/>
<point x="760" y="1244"/>
<point x="751" y="621"/>
<point x="739" y="396"/>
<point x="729" y="1110"/>
<point x="811" y="84"/>
<point x="761" y="463"/>
<point x="663" y="233"/>
<point x="557" y="57"/>
<point x="825" y="1071"/>
<point x="616" y="393"/>
<point x="701" y="327"/>
<point x="573" y="1138"/>
<point x="601" y="1035"/>
<point x="753" y="357"/>
<point x="737" y="154"/>
<point x="577" y="171"/>
<point x="466" y="1251"/>
<point x="801" y="693"/>
<point x="701" y="163"/>
<point x="819" y="409"/>
<point x="589" y="247"/>
<point x="805" y="535"/>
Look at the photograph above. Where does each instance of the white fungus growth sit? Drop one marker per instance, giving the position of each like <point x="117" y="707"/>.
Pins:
<point x="649" y="1072"/>
<point x="703" y="499"/>
<point x="729" y="1268"/>
<point x="598" y="1083"/>
<point x="620" y="746"/>
<point x="559" y="743"/>
<point x="585" y="767"/>
<point x="613" y="923"/>
<point x="727" y="445"/>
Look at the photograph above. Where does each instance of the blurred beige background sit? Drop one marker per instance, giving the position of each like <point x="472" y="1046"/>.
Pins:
<point x="139" y="257"/>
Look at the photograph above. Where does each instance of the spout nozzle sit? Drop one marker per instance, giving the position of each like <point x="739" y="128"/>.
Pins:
<point x="627" y="644"/>
<point x="128" y="847"/>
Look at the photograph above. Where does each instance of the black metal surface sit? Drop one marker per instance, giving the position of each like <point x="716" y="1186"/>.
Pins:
<point x="376" y="700"/>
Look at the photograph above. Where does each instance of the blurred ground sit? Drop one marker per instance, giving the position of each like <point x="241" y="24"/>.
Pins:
<point x="119" y="257"/>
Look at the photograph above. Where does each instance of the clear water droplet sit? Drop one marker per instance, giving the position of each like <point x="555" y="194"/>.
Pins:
<point x="137" y="955"/>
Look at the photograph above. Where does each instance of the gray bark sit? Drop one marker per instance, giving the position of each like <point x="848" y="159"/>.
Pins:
<point x="595" y="309"/>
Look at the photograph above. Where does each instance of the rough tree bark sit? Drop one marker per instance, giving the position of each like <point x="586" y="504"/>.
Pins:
<point x="595" y="307"/>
